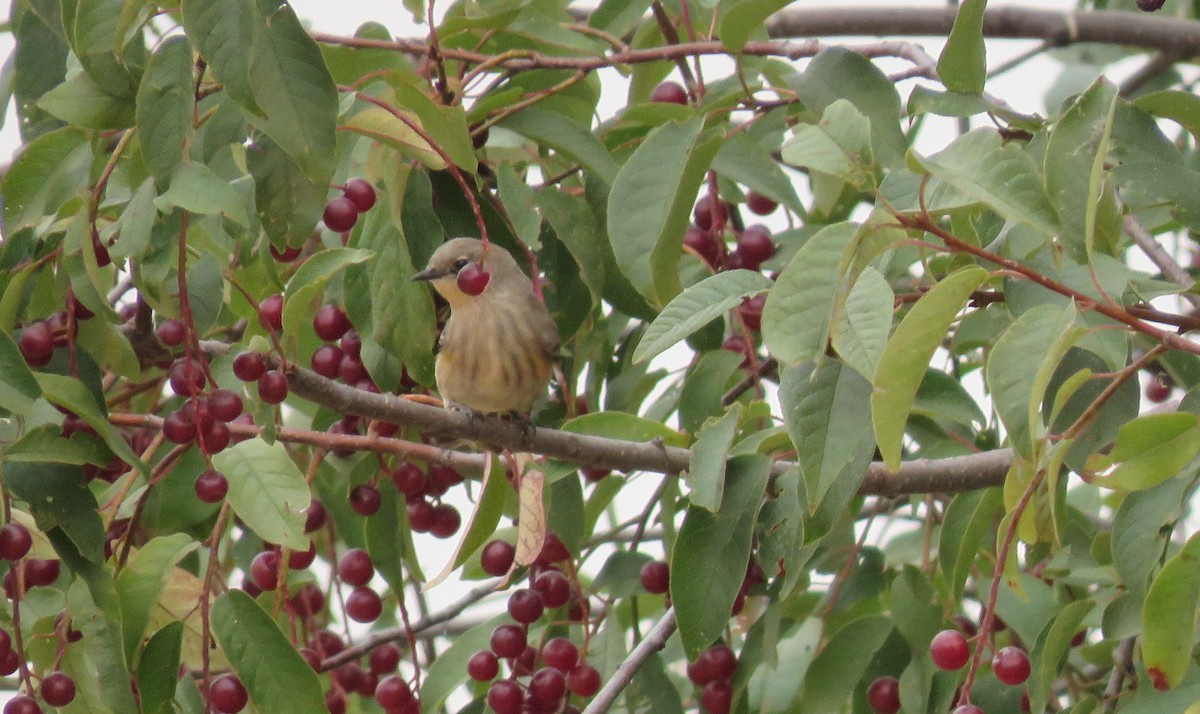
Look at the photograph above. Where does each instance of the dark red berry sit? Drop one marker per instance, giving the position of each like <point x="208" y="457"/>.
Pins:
<point x="669" y="93"/>
<point x="37" y="344"/>
<point x="505" y="696"/>
<point x="340" y="214"/>
<point x="508" y="641"/>
<point x="361" y="192"/>
<point x="187" y="377"/>
<point x="884" y="695"/>
<point x="286" y="254"/>
<point x="364" y="605"/>
<point x="351" y="344"/>
<point x="264" y="569"/>
<point x="548" y="685"/>
<point x="315" y="516"/>
<point x="327" y="360"/>
<point x="249" y="366"/>
<point x="553" y="549"/>
<point x="301" y="559"/>
<point x="311" y="657"/>
<point x="1011" y="665"/>
<point x="227" y="694"/>
<point x="949" y="650"/>
<point x="1150" y="5"/>
<point x="717" y="696"/>
<point x="364" y="499"/>
<point x="560" y="653"/>
<point x="483" y="666"/>
<point x="473" y="279"/>
<point x="760" y="204"/>
<point x="655" y="577"/>
<point x="719" y="661"/>
<point x="22" y="704"/>
<point x="15" y="542"/>
<point x="385" y="658"/>
<point x="171" y="332"/>
<point x="273" y="387"/>
<point x="393" y="692"/>
<point x="1159" y="388"/>
<point x="409" y="479"/>
<point x="270" y="313"/>
<point x="755" y="247"/>
<point x="702" y="244"/>
<point x="351" y="370"/>
<point x="446" y="521"/>
<point x="751" y="311"/>
<point x="584" y="680"/>
<point x="308" y="600"/>
<point x="554" y="588"/>
<point x="525" y="605"/>
<point x="211" y="486"/>
<point x="225" y="405"/>
<point x="709" y="212"/>
<point x="355" y="567"/>
<point x="497" y="557"/>
<point x="330" y="323"/>
<point x="41" y="572"/>
<point x="734" y="343"/>
<point x="421" y="516"/>
<point x="58" y="689"/>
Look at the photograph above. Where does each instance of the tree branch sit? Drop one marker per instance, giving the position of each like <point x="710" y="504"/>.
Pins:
<point x="655" y="639"/>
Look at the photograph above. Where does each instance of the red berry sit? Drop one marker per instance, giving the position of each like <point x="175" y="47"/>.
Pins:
<point x="965" y="625"/>
<point x="327" y="360"/>
<point x="717" y="696"/>
<point x="734" y="343"/>
<point x="328" y="644"/>
<point x="755" y="247"/>
<point x="473" y="279"/>
<point x="270" y="313"/>
<point x="171" y="332"/>
<point x="365" y="500"/>
<point x="227" y="694"/>
<point x="340" y="214"/>
<point x="497" y="557"/>
<point x="393" y="692"/>
<point x="315" y="516"/>
<point x="1011" y="665"/>
<point x="655" y="577"/>
<point x="884" y="695"/>
<point x="409" y="479"/>
<point x="364" y="605"/>
<point x="554" y="588"/>
<point x="553" y="549"/>
<point x="504" y="697"/>
<point x="548" y="685"/>
<point x="421" y="515"/>
<point x="361" y="192"/>
<point x="760" y="204"/>
<point x="15" y="542"/>
<point x="308" y="600"/>
<point x="446" y="521"/>
<point x="525" y="606"/>
<point x="211" y="486"/>
<point x="351" y="369"/>
<point x="58" y="689"/>
<point x="335" y="701"/>
<point x="483" y="666"/>
<point x="330" y="323"/>
<point x="22" y="704"/>
<point x="273" y="387"/>
<point x="751" y="311"/>
<point x="264" y="569"/>
<point x="187" y="377"/>
<point x="560" y="653"/>
<point x="719" y="661"/>
<point x="286" y="254"/>
<point x="707" y="211"/>
<point x="442" y="478"/>
<point x="351" y="344"/>
<point x="249" y="366"/>
<point x="355" y="567"/>
<point x="669" y="93"/>
<point x="949" y="649"/>
<point x="508" y="641"/>
<point x="584" y="680"/>
<point x="301" y="559"/>
<point x="41" y="572"/>
<point x="37" y="344"/>
<point x="225" y="405"/>
<point x="1159" y="389"/>
<point x="702" y="244"/>
<point x="385" y="658"/>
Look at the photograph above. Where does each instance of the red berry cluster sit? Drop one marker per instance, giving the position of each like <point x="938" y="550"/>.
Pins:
<point x="39" y="338"/>
<point x="423" y="492"/>
<point x="341" y="213"/>
<point x="15" y="543"/>
<point x="712" y="672"/>
<point x="203" y="418"/>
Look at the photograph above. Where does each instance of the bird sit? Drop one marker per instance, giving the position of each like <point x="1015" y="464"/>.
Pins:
<point x="498" y="347"/>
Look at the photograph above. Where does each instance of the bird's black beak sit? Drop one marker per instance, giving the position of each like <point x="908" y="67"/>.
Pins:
<point x="427" y="274"/>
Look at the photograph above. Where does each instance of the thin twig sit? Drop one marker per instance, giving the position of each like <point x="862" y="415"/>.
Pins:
<point x="655" y="639"/>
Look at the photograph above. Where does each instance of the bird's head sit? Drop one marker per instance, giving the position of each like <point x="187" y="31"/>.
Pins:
<point x="462" y="272"/>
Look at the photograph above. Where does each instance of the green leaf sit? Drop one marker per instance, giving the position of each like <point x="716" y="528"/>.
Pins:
<point x="72" y="395"/>
<point x="272" y="670"/>
<point x="276" y="74"/>
<point x="1020" y="366"/>
<point x="142" y="580"/>
<point x="621" y="425"/>
<point x="1141" y="525"/>
<point x="446" y="673"/>
<point x="1169" y="617"/>
<point x="1174" y="104"/>
<point x="58" y="497"/>
<point x="18" y="387"/>
<point x="962" y="66"/>
<point x="385" y="542"/>
<point x="839" y="146"/>
<point x="650" y="203"/>
<point x="706" y="469"/>
<point x="158" y="669"/>
<point x="744" y="19"/>
<point x="164" y="107"/>
<point x="102" y="636"/>
<point x="321" y="267"/>
<point x="46" y="172"/>
<point x="517" y="197"/>
<point x="559" y="132"/>
<point x="746" y="161"/>
<point x="708" y="562"/>
<point x="969" y="518"/>
<point x="266" y="491"/>
<point x="79" y="101"/>
<point x="799" y="310"/>
<point x="136" y="225"/>
<point x="1002" y="176"/>
<point x="288" y="202"/>
<point x="862" y="327"/>
<point x="904" y="359"/>
<point x="843" y="660"/>
<point x="381" y="125"/>
<point x="195" y="188"/>
<point x="697" y="306"/>
<point x="1149" y="450"/>
<point x="1050" y="651"/>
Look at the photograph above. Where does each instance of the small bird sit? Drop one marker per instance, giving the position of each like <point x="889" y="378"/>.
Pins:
<point x="498" y="347"/>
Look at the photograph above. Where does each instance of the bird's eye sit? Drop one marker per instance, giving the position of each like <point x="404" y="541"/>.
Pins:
<point x="460" y="264"/>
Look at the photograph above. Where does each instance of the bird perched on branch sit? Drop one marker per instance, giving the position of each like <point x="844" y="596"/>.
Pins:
<point x="498" y="347"/>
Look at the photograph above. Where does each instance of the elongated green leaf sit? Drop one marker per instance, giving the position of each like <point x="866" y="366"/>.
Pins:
<point x="143" y="579"/>
<point x="746" y="161"/>
<point x="136" y="223"/>
<point x="275" y="675"/>
<point x="288" y="203"/>
<point x="266" y="491"/>
<point x="1176" y="105"/>
<point x="969" y="517"/>
<point x="446" y="673"/>
<point x="697" y="306"/>
<point x="518" y="204"/>
<point x="71" y="394"/>
<point x="322" y="266"/>
<point x="650" y="201"/>
<point x="620" y="425"/>
<point x="381" y="125"/>
<point x="43" y="175"/>
<point x="195" y="188"/>
<point x="708" y="562"/>
<point x="839" y="146"/>
<point x="1169" y="617"/>
<point x="577" y="142"/>
<point x="102" y="638"/>
<point x="1002" y="176"/>
<point x="1020" y="366"/>
<point x="1149" y="450"/>
<point x="904" y="359"/>
<point x="81" y="102"/>
<point x="159" y="669"/>
<point x="799" y="310"/>
<point x="1052" y="647"/>
<point x="842" y="661"/>
<point x="962" y="66"/>
<point x="863" y="324"/>
<point x="706" y="470"/>
<point x="744" y="19"/>
<point x="18" y="388"/>
<point x="58" y="497"/>
<point x="1140" y="526"/>
<point x="226" y="34"/>
<point x="164" y="107"/>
